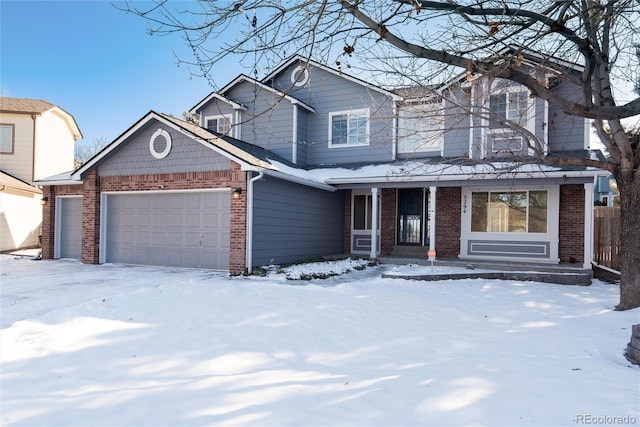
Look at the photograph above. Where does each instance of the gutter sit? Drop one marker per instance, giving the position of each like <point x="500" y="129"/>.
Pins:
<point x="459" y="177"/>
<point x="298" y="180"/>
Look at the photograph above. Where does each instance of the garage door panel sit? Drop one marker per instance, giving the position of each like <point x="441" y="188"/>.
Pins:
<point x="170" y="229"/>
<point x="70" y="232"/>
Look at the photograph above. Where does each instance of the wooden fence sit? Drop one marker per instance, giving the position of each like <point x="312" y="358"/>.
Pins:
<point x="606" y="236"/>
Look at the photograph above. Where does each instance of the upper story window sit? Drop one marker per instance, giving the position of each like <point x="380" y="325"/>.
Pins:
<point x="349" y="128"/>
<point x="509" y="211"/>
<point x="6" y="139"/>
<point x="511" y="106"/>
<point x="421" y="127"/>
<point x="220" y="124"/>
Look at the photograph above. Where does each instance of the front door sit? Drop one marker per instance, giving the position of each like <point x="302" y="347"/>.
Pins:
<point x="410" y="216"/>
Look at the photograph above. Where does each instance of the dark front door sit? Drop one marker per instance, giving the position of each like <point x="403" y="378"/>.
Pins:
<point x="410" y="216"/>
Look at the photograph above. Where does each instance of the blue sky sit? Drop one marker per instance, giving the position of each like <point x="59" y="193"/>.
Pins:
<point x="96" y="62"/>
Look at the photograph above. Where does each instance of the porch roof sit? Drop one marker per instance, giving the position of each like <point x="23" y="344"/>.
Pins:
<point x="414" y="171"/>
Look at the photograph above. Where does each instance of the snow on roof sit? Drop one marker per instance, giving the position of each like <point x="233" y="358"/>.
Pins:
<point x="407" y="171"/>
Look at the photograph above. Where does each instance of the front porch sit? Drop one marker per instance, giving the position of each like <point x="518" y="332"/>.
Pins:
<point x="418" y="268"/>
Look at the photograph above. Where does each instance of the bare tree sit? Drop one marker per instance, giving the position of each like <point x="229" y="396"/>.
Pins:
<point x="423" y="42"/>
<point x="84" y="150"/>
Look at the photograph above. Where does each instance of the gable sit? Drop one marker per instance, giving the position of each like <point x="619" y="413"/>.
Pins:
<point x="296" y="73"/>
<point x="147" y="152"/>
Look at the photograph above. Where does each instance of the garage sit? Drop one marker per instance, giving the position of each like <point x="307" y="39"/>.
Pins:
<point x="175" y="229"/>
<point x="69" y="233"/>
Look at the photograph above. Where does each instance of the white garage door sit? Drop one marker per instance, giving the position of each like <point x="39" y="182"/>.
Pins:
<point x="69" y="233"/>
<point x="189" y="229"/>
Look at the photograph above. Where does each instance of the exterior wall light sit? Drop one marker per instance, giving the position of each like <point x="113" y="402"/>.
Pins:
<point x="44" y="200"/>
<point x="237" y="192"/>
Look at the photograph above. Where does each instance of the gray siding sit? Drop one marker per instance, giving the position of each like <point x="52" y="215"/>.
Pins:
<point x="566" y="133"/>
<point x="326" y="93"/>
<point x="292" y="222"/>
<point x="186" y="155"/>
<point x="268" y="120"/>
<point x="456" y="125"/>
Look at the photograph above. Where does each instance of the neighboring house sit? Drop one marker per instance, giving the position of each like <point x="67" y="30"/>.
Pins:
<point x="310" y="161"/>
<point x="36" y="140"/>
<point x="605" y="195"/>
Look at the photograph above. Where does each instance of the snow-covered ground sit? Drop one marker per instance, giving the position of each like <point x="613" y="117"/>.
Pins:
<point x="112" y="345"/>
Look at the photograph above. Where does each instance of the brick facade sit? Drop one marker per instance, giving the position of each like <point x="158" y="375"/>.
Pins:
<point x="388" y="220"/>
<point x="571" y="243"/>
<point x="448" y="220"/>
<point x="93" y="186"/>
<point x="49" y="194"/>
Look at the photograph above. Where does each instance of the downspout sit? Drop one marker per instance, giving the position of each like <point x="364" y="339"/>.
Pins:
<point x="394" y="136"/>
<point x="588" y="223"/>
<point x="33" y="153"/>
<point x="249" y="232"/>
<point x="294" y="139"/>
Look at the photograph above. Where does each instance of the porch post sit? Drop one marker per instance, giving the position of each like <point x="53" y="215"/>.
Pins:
<point x="374" y="223"/>
<point x="432" y="218"/>
<point x="588" y="224"/>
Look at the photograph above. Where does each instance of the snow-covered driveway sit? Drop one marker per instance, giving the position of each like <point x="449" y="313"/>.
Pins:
<point x="108" y="345"/>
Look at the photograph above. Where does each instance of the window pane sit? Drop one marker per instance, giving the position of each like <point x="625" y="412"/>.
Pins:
<point x="339" y="129"/>
<point x="517" y="111"/>
<point x="508" y="212"/>
<point x="497" y="110"/>
<point x="359" y="212"/>
<point x="538" y="211"/>
<point x="421" y="127"/>
<point x="224" y="125"/>
<point x="479" y="202"/>
<point x="358" y="129"/>
<point x="6" y="139"/>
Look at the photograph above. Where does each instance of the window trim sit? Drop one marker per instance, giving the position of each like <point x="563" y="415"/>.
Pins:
<point x="11" y="126"/>
<point x="359" y="112"/>
<point x="508" y="91"/>
<point x="553" y="200"/>
<point x="428" y="107"/>
<point x="218" y="117"/>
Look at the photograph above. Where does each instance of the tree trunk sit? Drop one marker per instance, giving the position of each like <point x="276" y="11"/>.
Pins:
<point x="629" y="189"/>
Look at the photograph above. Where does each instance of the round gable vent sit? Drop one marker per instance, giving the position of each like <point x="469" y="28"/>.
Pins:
<point x="300" y="76"/>
<point x="160" y="144"/>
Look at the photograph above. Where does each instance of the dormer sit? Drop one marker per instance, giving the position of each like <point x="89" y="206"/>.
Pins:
<point x="219" y="114"/>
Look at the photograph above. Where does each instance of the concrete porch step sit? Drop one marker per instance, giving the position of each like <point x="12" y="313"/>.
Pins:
<point x="409" y="251"/>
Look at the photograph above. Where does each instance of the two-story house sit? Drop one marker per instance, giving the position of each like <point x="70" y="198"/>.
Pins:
<point x="36" y="140"/>
<point x="310" y="161"/>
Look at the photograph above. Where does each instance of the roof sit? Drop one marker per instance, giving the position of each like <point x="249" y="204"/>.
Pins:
<point x="215" y="95"/>
<point x="191" y="130"/>
<point x="10" y="182"/>
<point x="25" y="105"/>
<point x="38" y="106"/>
<point x="249" y="156"/>
<point x="434" y="171"/>
<point x="244" y="78"/>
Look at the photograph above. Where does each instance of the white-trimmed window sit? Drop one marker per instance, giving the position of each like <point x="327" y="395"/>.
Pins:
<point x="510" y="105"/>
<point x="220" y="124"/>
<point x="349" y="128"/>
<point x="523" y="211"/>
<point x="421" y="127"/>
<point x="6" y="138"/>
